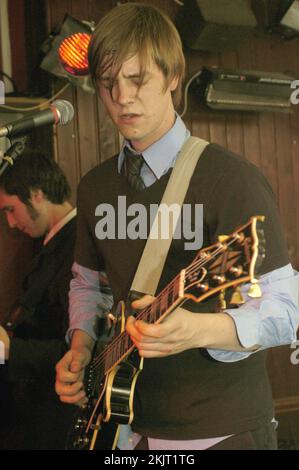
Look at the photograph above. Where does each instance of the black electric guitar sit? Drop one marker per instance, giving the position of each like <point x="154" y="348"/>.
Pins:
<point x="111" y="377"/>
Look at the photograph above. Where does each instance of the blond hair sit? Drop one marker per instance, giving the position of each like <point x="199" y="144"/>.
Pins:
<point x="134" y="28"/>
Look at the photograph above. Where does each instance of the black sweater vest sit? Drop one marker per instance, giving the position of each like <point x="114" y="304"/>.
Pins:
<point x="188" y="395"/>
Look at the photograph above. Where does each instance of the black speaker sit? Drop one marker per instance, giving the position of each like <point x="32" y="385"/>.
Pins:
<point x="215" y="25"/>
<point x="290" y="19"/>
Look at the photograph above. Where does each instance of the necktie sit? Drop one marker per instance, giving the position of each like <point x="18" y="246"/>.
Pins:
<point x="133" y="165"/>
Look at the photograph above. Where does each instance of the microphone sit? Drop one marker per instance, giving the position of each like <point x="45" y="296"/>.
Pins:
<point x="60" y="112"/>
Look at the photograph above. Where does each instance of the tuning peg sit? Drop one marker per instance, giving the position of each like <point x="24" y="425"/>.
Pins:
<point x="221" y="301"/>
<point x="254" y="290"/>
<point x="219" y="278"/>
<point x="237" y="298"/>
<point x="222" y="238"/>
<point x="203" y="287"/>
<point x="236" y="270"/>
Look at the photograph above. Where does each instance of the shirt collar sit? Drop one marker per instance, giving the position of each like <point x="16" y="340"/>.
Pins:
<point x="55" y="229"/>
<point x="161" y="155"/>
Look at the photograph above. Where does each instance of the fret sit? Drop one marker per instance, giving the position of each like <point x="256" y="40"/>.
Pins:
<point x="118" y="348"/>
<point x="174" y="291"/>
<point x="152" y="312"/>
<point x="113" y="357"/>
<point x="173" y="294"/>
<point x="163" y="303"/>
<point x="122" y="344"/>
<point x="130" y="343"/>
<point x="158" y="308"/>
<point x="127" y="342"/>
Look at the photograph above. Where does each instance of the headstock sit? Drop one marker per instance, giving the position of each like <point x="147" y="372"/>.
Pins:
<point x="233" y="260"/>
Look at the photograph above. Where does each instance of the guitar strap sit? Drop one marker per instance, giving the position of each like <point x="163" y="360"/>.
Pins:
<point x="153" y="258"/>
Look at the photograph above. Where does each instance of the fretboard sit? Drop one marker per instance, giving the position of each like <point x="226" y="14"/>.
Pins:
<point x="163" y="304"/>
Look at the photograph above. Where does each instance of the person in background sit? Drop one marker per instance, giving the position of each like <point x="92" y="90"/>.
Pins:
<point x="35" y="198"/>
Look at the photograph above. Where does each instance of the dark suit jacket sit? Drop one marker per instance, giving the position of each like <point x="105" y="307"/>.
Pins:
<point x="37" y="419"/>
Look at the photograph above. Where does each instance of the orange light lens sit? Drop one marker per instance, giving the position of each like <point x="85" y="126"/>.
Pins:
<point x="73" y="53"/>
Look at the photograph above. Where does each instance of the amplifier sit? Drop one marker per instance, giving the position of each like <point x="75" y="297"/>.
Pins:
<point x="247" y="90"/>
<point x="217" y="99"/>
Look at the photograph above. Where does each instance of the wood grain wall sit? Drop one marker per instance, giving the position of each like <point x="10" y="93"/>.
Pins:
<point x="15" y="253"/>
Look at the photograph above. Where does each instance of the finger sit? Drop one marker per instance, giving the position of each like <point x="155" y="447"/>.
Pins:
<point x="77" y="366"/>
<point x="149" y="331"/>
<point x="63" y="373"/>
<point x="69" y="377"/>
<point x="65" y="361"/>
<point x="63" y="388"/>
<point x="143" y="302"/>
<point x="140" y="332"/>
<point x="80" y="359"/>
<point x="134" y="333"/>
<point x="78" y="399"/>
<point x="65" y="376"/>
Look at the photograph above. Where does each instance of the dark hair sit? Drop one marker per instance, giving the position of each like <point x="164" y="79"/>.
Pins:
<point x="134" y="28"/>
<point x="32" y="170"/>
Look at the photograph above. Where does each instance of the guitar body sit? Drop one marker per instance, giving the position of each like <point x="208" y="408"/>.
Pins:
<point x="110" y="399"/>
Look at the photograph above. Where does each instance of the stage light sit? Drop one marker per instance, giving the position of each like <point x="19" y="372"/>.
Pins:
<point x="73" y="53"/>
<point x="66" y="53"/>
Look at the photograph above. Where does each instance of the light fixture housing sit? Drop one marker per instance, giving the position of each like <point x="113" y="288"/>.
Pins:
<point x="290" y="20"/>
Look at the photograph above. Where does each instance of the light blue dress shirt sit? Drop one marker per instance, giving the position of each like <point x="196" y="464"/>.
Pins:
<point x="269" y="321"/>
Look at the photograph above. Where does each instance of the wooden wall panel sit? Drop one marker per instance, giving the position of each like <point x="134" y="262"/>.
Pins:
<point x="66" y="145"/>
<point x="15" y="253"/>
<point x="17" y="34"/>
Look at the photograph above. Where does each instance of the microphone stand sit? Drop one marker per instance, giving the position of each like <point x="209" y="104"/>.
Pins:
<point x="12" y="153"/>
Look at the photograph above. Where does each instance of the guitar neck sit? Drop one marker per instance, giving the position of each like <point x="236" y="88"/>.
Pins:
<point x="168" y="299"/>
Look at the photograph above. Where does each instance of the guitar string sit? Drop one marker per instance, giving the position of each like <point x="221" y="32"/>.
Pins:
<point x="98" y="360"/>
